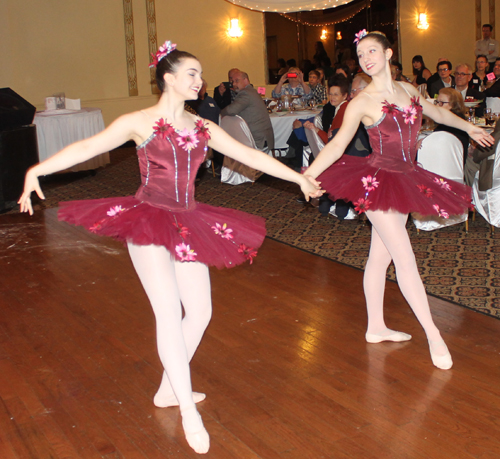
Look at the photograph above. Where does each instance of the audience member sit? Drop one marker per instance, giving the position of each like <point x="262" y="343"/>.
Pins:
<point x="479" y="78"/>
<point x="306" y="67"/>
<point x="397" y="72"/>
<point x="296" y="85"/>
<point x="463" y="76"/>
<point x="353" y="67"/>
<point x="343" y="70"/>
<point x="321" y="76"/>
<point x="249" y="105"/>
<point x="291" y="63"/>
<point x="317" y="89"/>
<point x="326" y="65"/>
<point x="224" y="93"/>
<point x="445" y="79"/>
<point x="435" y="76"/>
<point x="487" y="46"/>
<point x="493" y="86"/>
<point x="320" y="54"/>
<point x="282" y="67"/>
<point x="420" y="71"/>
<point x="452" y="100"/>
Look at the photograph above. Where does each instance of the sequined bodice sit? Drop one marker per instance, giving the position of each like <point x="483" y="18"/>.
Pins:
<point x="393" y="137"/>
<point x="168" y="162"/>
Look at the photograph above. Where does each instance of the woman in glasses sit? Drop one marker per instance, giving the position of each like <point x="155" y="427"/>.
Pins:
<point x="479" y="78"/>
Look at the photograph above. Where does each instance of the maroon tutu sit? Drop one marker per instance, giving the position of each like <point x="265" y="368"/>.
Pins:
<point x="164" y="212"/>
<point x="390" y="179"/>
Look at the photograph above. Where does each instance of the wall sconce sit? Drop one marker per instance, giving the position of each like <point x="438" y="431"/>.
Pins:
<point x="339" y="35"/>
<point x="234" y="30"/>
<point x="422" y="23"/>
<point x="323" y="34"/>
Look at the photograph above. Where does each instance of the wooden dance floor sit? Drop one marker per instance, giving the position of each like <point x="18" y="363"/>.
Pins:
<point x="284" y="363"/>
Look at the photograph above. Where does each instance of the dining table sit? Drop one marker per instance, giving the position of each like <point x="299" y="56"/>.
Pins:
<point x="283" y="125"/>
<point x="57" y="129"/>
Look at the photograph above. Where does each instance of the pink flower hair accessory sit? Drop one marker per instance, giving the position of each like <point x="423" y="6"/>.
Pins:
<point x="163" y="51"/>
<point x="360" y="35"/>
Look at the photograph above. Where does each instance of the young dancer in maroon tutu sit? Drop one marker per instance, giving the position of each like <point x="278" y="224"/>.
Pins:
<point x="388" y="184"/>
<point x="171" y="238"/>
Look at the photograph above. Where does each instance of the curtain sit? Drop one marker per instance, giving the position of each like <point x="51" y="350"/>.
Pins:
<point x="288" y="6"/>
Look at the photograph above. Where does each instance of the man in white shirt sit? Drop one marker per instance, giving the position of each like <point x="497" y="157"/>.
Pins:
<point x="488" y="46"/>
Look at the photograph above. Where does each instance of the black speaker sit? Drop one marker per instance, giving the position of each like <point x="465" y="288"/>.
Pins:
<point x="14" y="110"/>
<point x="18" y="152"/>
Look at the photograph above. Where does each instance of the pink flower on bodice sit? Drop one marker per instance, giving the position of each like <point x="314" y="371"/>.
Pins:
<point x="203" y="129"/>
<point x="442" y="183"/>
<point x="388" y="108"/>
<point x="187" y="139"/>
<point x="410" y="114"/>
<point x="249" y="252"/>
<point x="185" y="253"/>
<point x="223" y="230"/>
<point x="163" y="129"/>
<point x="369" y="183"/>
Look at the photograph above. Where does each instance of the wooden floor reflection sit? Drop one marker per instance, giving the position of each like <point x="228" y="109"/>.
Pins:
<point x="284" y="363"/>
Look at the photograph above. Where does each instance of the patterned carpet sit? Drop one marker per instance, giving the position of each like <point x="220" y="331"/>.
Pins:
<point x="464" y="269"/>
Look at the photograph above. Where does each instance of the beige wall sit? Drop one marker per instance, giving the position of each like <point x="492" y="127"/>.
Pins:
<point x="451" y="31"/>
<point x="79" y="47"/>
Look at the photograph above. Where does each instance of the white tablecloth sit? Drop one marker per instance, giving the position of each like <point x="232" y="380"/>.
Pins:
<point x="283" y="125"/>
<point x="57" y="129"/>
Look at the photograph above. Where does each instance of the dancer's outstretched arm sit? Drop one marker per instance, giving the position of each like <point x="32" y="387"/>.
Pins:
<point x="118" y="132"/>
<point x="223" y="142"/>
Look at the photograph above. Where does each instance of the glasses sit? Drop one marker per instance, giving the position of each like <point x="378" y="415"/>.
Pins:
<point x="444" y="70"/>
<point x="461" y="74"/>
<point x="440" y="103"/>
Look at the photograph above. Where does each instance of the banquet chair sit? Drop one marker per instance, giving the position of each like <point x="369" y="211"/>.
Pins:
<point x="441" y="153"/>
<point x="487" y="202"/>
<point x="314" y="140"/>
<point x="422" y="89"/>
<point x="233" y="172"/>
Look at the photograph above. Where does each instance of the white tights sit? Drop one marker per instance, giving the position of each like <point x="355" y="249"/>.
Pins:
<point x="390" y="241"/>
<point x="168" y="283"/>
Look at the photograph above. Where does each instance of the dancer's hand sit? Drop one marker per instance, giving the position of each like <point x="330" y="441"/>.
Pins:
<point x="310" y="187"/>
<point x="481" y="136"/>
<point x="30" y="184"/>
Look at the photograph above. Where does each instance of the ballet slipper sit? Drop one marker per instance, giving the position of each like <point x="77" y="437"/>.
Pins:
<point x="196" y="434"/>
<point x="395" y="336"/>
<point x="171" y="400"/>
<point x="442" y="360"/>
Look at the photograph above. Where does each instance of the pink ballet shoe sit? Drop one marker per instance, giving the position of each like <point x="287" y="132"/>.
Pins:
<point x="194" y="430"/>
<point x="395" y="336"/>
<point x="171" y="400"/>
<point x="443" y="362"/>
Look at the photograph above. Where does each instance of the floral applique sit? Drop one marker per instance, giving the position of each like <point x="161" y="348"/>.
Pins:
<point x="115" y="211"/>
<point x="441" y="212"/>
<point x="415" y="101"/>
<point x="182" y="230"/>
<point x="95" y="227"/>
<point x="442" y="183"/>
<point x="388" y="108"/>
<point x="249" y="252"/>
<point x="362" y="205"/>
<point x="410" y="114"/>
<point x="163" y="129"/>
<point x="223" y="230"/>
<point x="187" y="139"/>
<point x="203" y="129"/>
<point x="360" y="35"/>
<point x="427" y="192"/>
<point x="369" y="183"/>
<point x="185" y="253"/>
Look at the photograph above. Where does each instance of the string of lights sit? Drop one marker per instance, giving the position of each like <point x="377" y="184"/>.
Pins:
<point x="323" y="24"/>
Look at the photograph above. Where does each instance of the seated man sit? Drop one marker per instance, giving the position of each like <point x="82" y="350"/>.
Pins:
<point x="296" y="85"/>
<point x="435" y="76"/>
<point x="463" y="75"/>
<point x="224" y="93"/>
<point x="445" y="79"/>
<point x="249" y="105"/>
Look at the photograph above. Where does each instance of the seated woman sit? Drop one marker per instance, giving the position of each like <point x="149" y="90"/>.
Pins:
<point x="420" y="71"/>
<point x="296" y="85"/>
<point x="479" y="78"/>
<point x="452" y="100"/>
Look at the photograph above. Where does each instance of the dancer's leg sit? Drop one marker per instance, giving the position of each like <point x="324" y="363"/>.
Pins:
<point x="391" y="228"/>
<point x="374" y="286"/>
<point x="156" y="270"/>
<point x="197" y="305"/>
